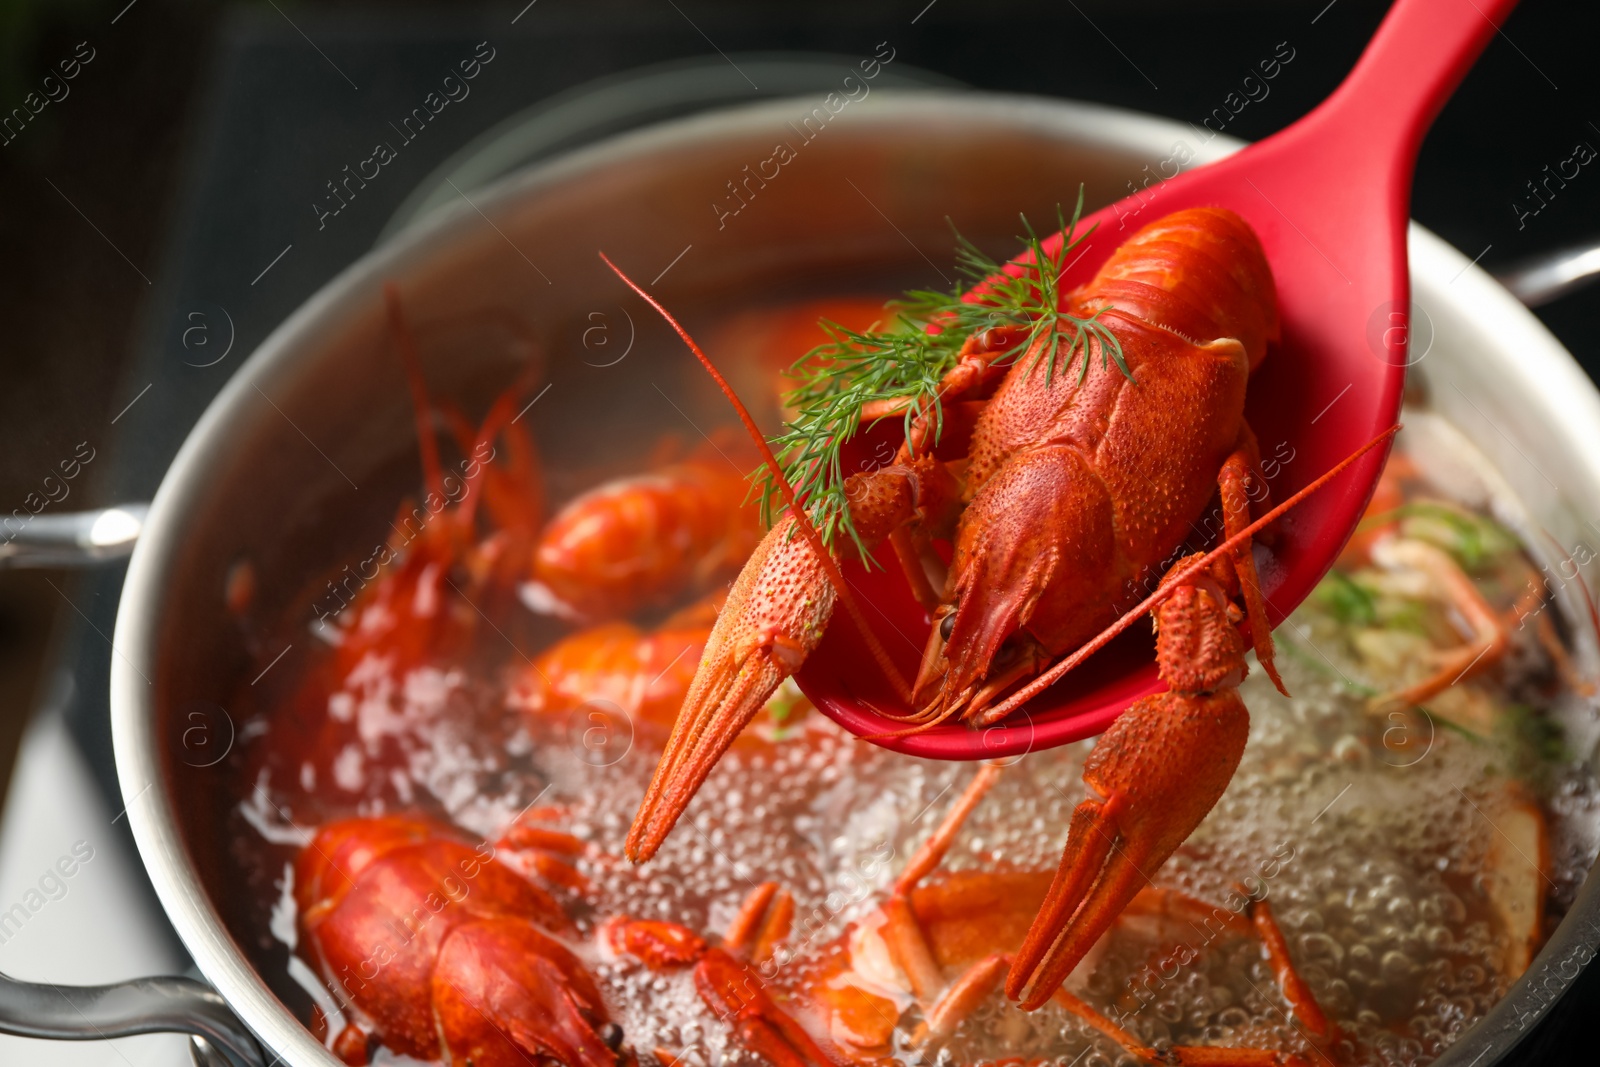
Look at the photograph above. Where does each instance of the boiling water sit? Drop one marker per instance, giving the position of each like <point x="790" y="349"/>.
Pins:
<point x="1369" y="860"/>
<point x="1369" y="845"/>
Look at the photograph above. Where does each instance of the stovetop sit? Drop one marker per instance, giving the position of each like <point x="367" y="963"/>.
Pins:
<point x="290" y="105"/>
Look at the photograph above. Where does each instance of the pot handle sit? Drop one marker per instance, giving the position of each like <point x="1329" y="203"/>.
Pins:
<point x="71" y="539"/>
<point x="123" y="1009"/>
<point x="1542" y="278"/>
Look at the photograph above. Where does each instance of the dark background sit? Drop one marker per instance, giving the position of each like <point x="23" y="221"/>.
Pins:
<point x="190" y="148"/>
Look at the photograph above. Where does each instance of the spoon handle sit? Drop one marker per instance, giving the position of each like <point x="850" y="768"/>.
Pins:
<point x="1422" y="50"/>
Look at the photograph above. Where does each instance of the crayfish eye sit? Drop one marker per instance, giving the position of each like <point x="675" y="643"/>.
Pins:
<point x="947" y="626"/>
<point x="611" y="1034"/>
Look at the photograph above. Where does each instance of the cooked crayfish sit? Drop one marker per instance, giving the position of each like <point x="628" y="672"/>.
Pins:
<point x="444" y="951"/>
<point x="421" y="595"/>
<point x="638" y="542"/>
<point x="616" y="668"/>
<point x="447" y="953"/>
<point x="644" y="675"/>
<point x="1070" y="488"/>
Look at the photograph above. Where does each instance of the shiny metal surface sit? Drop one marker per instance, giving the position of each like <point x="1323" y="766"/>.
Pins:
<point x="246" y="486"/>
<point x="121" y="1009"/>
<point x="1546" y="277"/>
<point x="626" y="101"/>
<point x="74" y="538"/>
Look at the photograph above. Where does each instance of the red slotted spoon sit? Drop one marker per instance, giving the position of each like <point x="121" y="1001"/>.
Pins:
<point x="1330" y="199"/>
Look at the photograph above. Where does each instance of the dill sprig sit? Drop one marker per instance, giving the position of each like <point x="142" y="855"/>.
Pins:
<point x="904" y="360"/>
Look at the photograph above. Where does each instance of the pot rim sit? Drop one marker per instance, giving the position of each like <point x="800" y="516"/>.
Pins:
<point x="1573" y="406"/>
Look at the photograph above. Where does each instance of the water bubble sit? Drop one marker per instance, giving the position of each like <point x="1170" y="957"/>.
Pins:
<point x="1396" y="966"/>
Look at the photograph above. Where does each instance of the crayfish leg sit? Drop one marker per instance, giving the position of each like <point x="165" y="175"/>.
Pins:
<point x="1295" y="989"/>
<point x="933" y="850"/>
<point x="762" y="923"/>
<point x="1239" y="472"/>
<point x="1489" y="641"/>
<point x="964" y="995"/>
<point x="908" y="946"/>
<point x="1181" y="1055"/>
<point x="902" y="933"/>
<point x="912" y="560"/>
<point x="1083" y="1010"/>
<point x="1165" y="914"/>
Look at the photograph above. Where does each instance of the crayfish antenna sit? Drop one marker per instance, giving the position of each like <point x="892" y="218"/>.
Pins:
<point x="515" y="494"/>
<point x="802" y="520"/>
<point x="422" y="408"/>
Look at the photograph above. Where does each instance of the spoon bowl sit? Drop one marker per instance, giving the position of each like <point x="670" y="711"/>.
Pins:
<point x="1329" y="198"/>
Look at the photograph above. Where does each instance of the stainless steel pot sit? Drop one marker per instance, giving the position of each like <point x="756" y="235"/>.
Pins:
<point x="269" y="475"/>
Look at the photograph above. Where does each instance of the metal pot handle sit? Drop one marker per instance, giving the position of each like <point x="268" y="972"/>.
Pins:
<point x="1544" y="277"/>
<point x="123" y="1009"/>
<point x="141" y="1005"/>
<point x="73" y="538"/>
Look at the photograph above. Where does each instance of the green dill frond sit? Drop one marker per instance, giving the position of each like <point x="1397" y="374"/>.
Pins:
<point x="901" y="360"/>
<point x="1351" y="603"/>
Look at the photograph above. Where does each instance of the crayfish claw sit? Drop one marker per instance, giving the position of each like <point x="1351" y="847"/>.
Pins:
<point x="706" y="727"/>
<point x="1090" y="888"/>
<point x="657" y="944"/>
<point x="1162" y="766"/>
<point x="773" y="619"/>
<point x="734" y="991"/>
